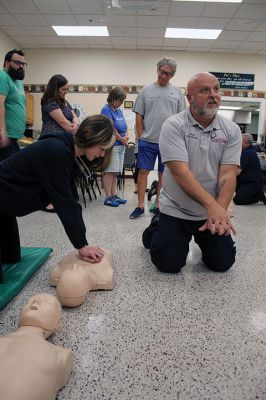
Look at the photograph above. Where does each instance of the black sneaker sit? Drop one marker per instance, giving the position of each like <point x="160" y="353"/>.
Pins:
<point x="153" y="189"/>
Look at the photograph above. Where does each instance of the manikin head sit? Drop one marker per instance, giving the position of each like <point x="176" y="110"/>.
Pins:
<point x="204" y="97"/>
<point x="41" y="311"/>
<point x="166" y="69"/>
<point x="73" y="286"/>
<point x="15" y="64"/>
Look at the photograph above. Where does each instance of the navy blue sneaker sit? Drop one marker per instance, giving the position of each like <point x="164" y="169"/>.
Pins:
<point x="110" y="201"/>
<point x="119" y="200"/>
<point x="137" y="213"/>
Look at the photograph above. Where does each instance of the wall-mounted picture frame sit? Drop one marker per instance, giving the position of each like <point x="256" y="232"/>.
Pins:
<point x="128" y="104"/>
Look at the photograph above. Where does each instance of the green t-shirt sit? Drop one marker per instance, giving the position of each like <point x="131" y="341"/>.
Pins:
<point x="15" y="105"/>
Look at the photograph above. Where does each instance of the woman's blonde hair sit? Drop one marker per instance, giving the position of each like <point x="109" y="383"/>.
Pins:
<point x="96" y="130"/>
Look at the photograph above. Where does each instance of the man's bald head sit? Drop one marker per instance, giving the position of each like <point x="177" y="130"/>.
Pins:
<point x="199" y="79"/>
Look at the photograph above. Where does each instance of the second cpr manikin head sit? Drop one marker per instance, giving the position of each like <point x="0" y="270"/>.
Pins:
<point x="41" y="311"/>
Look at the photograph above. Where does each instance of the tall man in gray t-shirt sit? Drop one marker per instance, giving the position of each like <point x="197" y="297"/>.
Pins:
<point x="201" y="152"/>
<point x="154" y="104"/>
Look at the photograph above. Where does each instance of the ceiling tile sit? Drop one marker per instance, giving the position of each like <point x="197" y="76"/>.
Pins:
<point x="261" y="27"/>
<point x="23" y="39"/>
<point x="73" y="40"/>
<point x="53" y="6"/>
<point x="257" y="37"/>
<point x="251" y="11"/>
<point x="86" y="7"/>
<point x="200" y="43"/>
<point x="98" y="40"/>
<point x="242" y="24"/>
<point x="40" y="30"/>
<point x="21" y="7"/>
<point x="262" y="53"/>
<point x="241" y="51"/>
<point x="14" y="30"/>
<point x="152" y="22"/>
<point x="187" y="9"/>
<point x="176" y="42"/>
<point x="220" y="9"/>
<point x="121" y="47"/>
<point x="162" y="9"/>
<point x="182" y="22"/>
<point x="6" y="20"/>
<point x="100" y="46"/>
<point x="76" y="46"/>
<point x="30" y="20"/>
<point x="122" y="31"/>
<point x="252" y="45"/>
<point x="221" y="51"/>
<point x="92" y="20"/>
<point x="212" y="23"/>
<point x="150" y="32"/>
<point x="48" y="40"/>
<point x="60" y="19"/>
<point x="124" y="40"/>
<point x="149" y="41"/>
<point x="3" y="10"/>
<point x="226" y="44"/>
<point x="116" y="20"/>
<point x="233" y="35"/>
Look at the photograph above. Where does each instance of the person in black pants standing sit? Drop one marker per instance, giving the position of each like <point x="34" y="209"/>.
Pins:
<point x="249" y="189"/>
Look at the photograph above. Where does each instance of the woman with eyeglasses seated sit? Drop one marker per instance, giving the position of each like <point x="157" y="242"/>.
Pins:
<point x="44" y="173"/>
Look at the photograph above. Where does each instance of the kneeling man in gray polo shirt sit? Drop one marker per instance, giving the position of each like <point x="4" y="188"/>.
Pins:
<point x="201" y="152"/>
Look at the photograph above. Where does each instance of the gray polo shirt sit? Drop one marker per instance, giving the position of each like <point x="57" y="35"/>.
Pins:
<point x="156" y="103"/>
<point x="184" y="139"/>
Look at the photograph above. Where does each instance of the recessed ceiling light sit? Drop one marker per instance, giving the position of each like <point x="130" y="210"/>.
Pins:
<point x="214" y="1"/>
<point x="230" y="108"/>
<point x="192" y="33"/>
<point x="81" y="30"/>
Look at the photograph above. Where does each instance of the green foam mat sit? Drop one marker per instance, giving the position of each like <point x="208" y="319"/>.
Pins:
<point x="17" y="275"/>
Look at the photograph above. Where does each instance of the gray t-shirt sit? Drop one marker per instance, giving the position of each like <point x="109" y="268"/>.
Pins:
<point x="156" y="103"/>
<point x="184" y="139"/>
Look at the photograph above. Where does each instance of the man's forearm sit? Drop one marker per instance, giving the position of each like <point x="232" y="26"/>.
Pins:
<point x="139" y="126"/>
<point x="226" y="189"/>
<point x="2" y="120"/>
<point x="187" y="181"/>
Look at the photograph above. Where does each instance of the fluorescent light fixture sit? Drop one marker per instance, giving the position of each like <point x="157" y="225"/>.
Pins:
<point x="230" y="108"/>
<point x="81" y="30"/>
<point x="214" y="1"/>
<point x="192" y="33"/>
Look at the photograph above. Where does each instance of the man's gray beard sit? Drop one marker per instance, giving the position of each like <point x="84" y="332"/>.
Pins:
<point x="205" y="112"/>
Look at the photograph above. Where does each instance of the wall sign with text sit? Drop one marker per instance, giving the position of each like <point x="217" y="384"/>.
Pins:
<point x="232" y="80"/>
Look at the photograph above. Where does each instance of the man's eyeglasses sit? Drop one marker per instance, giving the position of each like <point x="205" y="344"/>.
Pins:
<point x="167" y="74"/>
<point x="20" y="63"/>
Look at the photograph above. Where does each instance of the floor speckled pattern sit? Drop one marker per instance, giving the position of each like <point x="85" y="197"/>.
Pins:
<point x="197" y="335"/>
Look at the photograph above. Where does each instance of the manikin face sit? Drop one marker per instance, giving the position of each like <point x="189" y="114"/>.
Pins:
<point x="94" y="152"/>
<point x="42" y="311"/>
<point x="62" y="91"/>
<point x="164" y="73"/>
<point x="16" y="67"/>
<point x="204" y="96"/>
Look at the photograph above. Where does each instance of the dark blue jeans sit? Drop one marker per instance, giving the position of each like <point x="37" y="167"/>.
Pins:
<point x="169" y="245"/>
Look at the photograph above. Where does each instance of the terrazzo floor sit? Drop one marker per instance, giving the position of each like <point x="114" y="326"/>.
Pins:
<point x="197" y="335"/>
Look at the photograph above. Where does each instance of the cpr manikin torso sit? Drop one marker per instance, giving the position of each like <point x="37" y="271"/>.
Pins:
<point x="74" y="278"/>
<point x="32" y="368"/>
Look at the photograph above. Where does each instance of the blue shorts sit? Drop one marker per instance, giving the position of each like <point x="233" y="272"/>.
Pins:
<point x="147" y="153"/>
